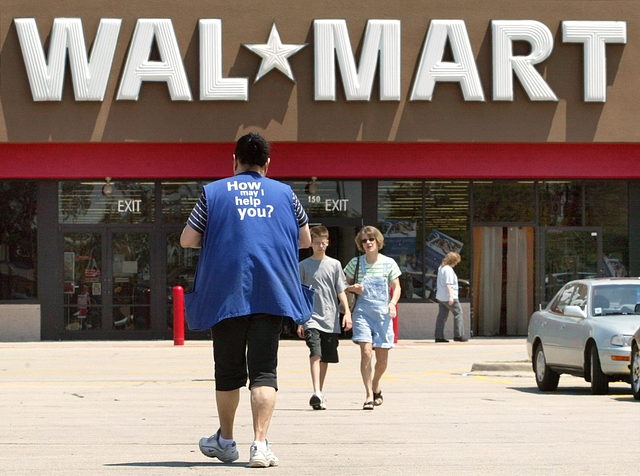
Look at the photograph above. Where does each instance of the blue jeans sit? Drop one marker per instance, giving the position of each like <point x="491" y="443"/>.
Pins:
<point x="443" y="315"/>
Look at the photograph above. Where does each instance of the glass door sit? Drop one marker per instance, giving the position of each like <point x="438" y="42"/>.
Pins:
<point x="130" y="286"/>
<point x="83" y="281"/>
<point x="568" y="254"/>
<point x="107" y="280"/>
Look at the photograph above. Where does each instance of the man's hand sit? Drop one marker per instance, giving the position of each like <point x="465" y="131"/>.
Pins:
<point x="346" y="320"/>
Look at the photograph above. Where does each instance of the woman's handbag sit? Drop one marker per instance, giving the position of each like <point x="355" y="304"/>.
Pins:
<point x="352" y="297"/>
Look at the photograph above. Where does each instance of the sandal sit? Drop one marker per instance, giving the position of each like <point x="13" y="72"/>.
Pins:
<point x="377" y="398"/>
<point x="368" y="405"/>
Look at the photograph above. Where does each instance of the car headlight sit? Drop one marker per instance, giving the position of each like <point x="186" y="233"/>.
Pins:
<point x="621" y="340"/>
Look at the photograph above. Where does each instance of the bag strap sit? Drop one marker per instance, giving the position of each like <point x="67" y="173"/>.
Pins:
<point x="355" y="281"/>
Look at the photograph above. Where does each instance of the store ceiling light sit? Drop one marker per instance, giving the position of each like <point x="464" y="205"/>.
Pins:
<point x="107" y="188"/>
<point x="313" y="186"/>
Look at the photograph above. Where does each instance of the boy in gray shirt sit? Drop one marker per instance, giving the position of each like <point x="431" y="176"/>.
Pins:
<point x="321" y="332"/>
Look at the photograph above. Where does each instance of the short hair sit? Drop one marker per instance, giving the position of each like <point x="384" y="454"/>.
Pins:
<point x="252" y="149"/>
<point x="451" y="258"/>
<point x="319" y="231"/>
<point x="369" y="232"/>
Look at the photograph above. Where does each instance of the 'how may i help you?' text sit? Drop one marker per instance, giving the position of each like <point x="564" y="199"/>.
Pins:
<point x="249" y="199"/>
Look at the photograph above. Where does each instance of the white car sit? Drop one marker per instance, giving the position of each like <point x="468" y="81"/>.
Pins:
<point x="635" y="361"/>
<point x="585" y="331"/>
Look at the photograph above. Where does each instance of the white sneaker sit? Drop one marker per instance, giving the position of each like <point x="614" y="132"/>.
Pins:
<point x="323" y="404"/>
<point x="261" y="459"/>
<point x="316" y="401"/>
<point x="211" y="447"/>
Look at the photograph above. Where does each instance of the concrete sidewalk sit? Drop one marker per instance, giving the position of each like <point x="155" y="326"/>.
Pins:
<point x="129" y="408"/>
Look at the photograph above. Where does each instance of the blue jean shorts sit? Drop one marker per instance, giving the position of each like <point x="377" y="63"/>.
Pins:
<point x="378" y="331"/>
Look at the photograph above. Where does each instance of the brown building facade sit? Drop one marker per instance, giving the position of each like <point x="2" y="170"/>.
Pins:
<point x="509" y="132"/>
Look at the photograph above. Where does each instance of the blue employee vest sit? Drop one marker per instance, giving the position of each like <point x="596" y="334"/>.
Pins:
<point x="249" y="258"/>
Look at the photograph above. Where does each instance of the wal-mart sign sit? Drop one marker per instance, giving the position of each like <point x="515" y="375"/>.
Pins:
<point x="381" y="51"/>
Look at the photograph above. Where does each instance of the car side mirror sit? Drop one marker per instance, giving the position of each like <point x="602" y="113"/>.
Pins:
<point x="574" y="311"/>
<point x="637" y="308"/>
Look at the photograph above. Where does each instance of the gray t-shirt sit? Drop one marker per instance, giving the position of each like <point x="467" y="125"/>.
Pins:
<point x="327" y="278"/>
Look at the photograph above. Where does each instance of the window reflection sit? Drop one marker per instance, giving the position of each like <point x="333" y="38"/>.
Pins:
<point x="503" y="201"/>
<point x="562" y="300"/>
<point x="400" y="213"/>
<point x="131" y="265"/>
<point x="85" y="202"/>
<point x="607" y="207"/>
<point x="447" y="229"/>
<point x="178" y="199"/>
<point x="181" y="270"/>
<point x="560" y="203"/>
<point x="18" y="240"/>
<point x="82" y="281"/>
<point x="569" y="255"/>
<point x="329" y="198"/>
<point x="422" y="221"/>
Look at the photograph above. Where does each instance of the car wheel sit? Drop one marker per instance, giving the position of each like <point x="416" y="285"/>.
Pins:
<point x="599" y="380"/>
<point x="546" y="378"/>
<point x="635" y="372"/>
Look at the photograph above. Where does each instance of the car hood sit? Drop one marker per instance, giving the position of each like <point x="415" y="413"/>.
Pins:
<point x="626" y="324"/>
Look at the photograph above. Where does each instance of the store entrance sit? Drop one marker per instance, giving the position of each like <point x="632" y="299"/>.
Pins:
<point x="503" y="279"/>
<point x="107" y="280"/>
<point x="118" y="279"/>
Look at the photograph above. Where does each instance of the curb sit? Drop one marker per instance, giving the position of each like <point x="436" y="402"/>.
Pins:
<point x="519" y="366"/>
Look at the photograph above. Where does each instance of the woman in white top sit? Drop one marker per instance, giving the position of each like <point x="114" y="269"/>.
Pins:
<point x="447" y="297"/>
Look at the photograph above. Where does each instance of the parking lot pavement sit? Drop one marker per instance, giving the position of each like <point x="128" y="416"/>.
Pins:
<point x="128" y="408"/>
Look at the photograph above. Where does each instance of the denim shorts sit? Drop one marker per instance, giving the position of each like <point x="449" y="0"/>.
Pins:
<point x="376" y="331"/>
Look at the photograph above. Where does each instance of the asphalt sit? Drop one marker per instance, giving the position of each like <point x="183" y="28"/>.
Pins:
<point x="133" y="408"/>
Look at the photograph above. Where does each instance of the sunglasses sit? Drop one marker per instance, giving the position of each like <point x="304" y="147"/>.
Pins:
<point x="365" y="240"/>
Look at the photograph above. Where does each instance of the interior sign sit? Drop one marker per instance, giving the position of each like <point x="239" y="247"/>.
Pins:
<point x="380" y="53"/>
<point x="339" y="205"/>
<point x="125" y="206"/>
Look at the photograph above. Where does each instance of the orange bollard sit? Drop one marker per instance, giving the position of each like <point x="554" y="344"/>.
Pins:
<point x="178" y="315"/>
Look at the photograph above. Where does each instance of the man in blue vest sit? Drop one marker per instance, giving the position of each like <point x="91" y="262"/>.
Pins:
<point x="249" y="228"/>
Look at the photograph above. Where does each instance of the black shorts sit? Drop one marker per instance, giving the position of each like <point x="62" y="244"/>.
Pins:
<point x="323" y="344"/>
<point x="246" y="343"/>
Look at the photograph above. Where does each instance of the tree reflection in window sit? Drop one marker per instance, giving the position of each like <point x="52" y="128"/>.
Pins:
<point x="503" y="201"/>
<point x="18" y="240"/>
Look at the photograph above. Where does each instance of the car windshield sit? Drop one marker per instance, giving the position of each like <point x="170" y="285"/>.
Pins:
<point x="614" y="299"/>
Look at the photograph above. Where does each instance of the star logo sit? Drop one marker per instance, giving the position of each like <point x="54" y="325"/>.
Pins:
<point x="274" y="54"/>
